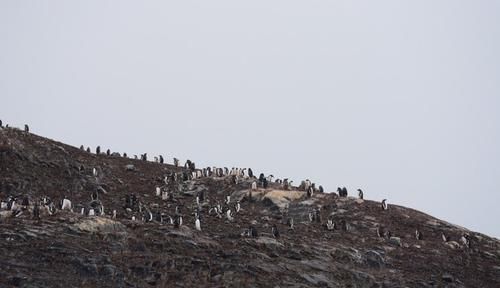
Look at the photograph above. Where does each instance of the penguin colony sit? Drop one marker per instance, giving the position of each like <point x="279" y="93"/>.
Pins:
<point x="228" y="210"/>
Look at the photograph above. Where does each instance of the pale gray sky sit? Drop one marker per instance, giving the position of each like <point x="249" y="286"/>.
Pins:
<point x="399" y="98"/>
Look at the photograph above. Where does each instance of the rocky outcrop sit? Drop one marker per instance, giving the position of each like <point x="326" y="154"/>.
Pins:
<point x="67" y="249"/>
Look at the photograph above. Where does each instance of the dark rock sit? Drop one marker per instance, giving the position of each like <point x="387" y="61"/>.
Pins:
<point x="374" y="259"/>
<point x="448" y="278"/>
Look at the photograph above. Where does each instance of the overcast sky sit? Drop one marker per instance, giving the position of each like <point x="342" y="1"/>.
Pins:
<point x="399" y="98"/>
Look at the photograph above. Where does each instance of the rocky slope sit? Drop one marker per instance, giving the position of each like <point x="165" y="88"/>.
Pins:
<point x="68" y="249"/>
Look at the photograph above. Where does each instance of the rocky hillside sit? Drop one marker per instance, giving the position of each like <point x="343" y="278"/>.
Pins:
<point x="64" y="248"/>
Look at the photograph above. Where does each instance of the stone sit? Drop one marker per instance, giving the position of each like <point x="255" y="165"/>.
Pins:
<point x="395" y="241"/>
<point x="374" y="259"/>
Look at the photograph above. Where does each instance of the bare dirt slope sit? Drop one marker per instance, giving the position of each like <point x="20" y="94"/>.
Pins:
<point x="71" y="250"/>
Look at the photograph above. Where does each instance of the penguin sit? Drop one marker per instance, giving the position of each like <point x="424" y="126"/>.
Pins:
<point x="108" y="152"/>
<point x="26" y="128"/>
<point x="66" y="204"/>
<point x="330" y="225"/>
<point x="178" y="221"/>
<point x="94" y="196"/>
<point x="91" y="212"/>
<point x="344" y="191"/>
<point x="1" y="123"/>
<point x="379" y="232"/>
<point x="384" y="204"/>
<point x="265" y="184"/>
<point x="311" y="216"/>
<point x="444" y="237"/>
<point x="82" y="211"/>
<point x="360" y="194"/>
<point x="275" y="231"/>
<point x="228" y="199"/>
<point x="88" y="149"/>
<point x="82" y="148"/>
<point x="250" y="173"/>
<point x="133" y="218"/>
<point x="254" y="185"/>
<point x="12" y="205"/>
<point x="125" y="155"/>
<point x="148" y="216"/>
<point x="161" y="159"/>
<point x="114" y="214"/>
<point x="98" y="150"/>
<point x="321" y="190"/>
<point x="418" y="235"/>
<point x="317" y="215"/>
<point x="197" y="200"/>
<point x="252" y="231"/>
<point x="158" y="192"/>
<point x="238" y="206"/>
<point x="290" y="223"/>
<point x="465" y="239"/>
<point x="228" y="215"/>
<point x="197" y="223"/>
<point x="219" y="207"/>
<point x="94" y="172"/>
<point x="388" y="234"/>
<point x="310" y="191"/>
<point x="51" y="208"/>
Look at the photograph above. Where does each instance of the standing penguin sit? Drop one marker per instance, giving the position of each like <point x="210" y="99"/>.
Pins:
<point x="254" y="185"/>
<point x="444" y="237"/>
<point x="66" y="204"/>
<point x="290" y="223"/>
<point x="465" y="239"/>
<point x="276" y="232"/>
<point x="238" y="206"/>
<point x="197" y="223"/>
<point x="344" y="191"/>
<point x="26" y="128"/>
<point x="360" y="194"/>
<point x="108" y="152"/>
<point x="310" y="191"/>
<point x="229" y="215"/>
<point x="98" y="150"/>
<point x="88" y="149"/>
<point x="161" y="159"/>
<point x="321" y="190"/>
<point x="94" y="196"/>
<point x="178" y="221"/>
<point x="384" y="204"/>
<point x="250" y="173"/>
<point x="330" y="225"/>
<point x="418" y="235"/>
<point x="252" y="232"/>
